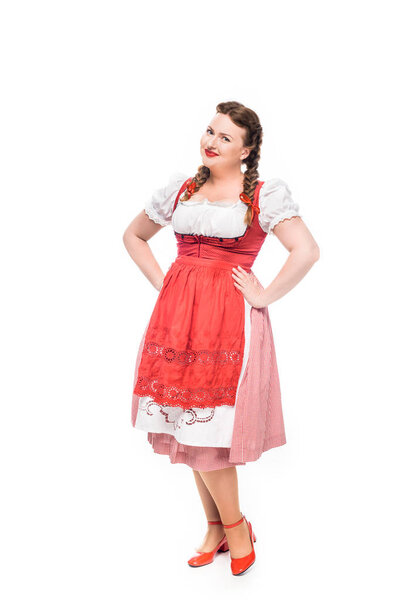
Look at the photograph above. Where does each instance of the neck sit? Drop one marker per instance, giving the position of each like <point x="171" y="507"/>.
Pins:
<point x="220" y="178"/>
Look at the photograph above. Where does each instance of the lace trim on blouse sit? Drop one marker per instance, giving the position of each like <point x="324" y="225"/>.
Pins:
<point x="154" y="216"/>
<point x="275" y="201"/>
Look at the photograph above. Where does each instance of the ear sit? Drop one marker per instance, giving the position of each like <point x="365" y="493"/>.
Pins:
<point x="245" y="153"/>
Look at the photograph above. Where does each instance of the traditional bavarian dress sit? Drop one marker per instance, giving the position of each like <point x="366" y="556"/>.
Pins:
<point x="206" y="385"/>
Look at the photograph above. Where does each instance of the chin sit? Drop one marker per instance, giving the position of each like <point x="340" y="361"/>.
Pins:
<point x="207" y="157"/>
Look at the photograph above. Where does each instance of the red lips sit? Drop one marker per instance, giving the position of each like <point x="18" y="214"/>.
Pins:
<point x="209" y="153"/>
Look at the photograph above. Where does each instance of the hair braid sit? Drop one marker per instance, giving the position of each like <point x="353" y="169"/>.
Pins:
<point x="203" y="173"/>
<point x="251" y="174"/>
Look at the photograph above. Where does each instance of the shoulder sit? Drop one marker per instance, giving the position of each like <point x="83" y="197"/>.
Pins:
<point x="276" y="203"/>
<point x="173" y="184"/>
<point x="177" y="178"/>
<point x="273" y="186"/>
<point x="159" y="207"/>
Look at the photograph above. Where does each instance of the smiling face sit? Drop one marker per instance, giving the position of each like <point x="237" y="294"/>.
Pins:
<point x="225" y="139"/>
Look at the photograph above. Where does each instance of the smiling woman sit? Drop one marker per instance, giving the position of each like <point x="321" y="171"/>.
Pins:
<point x="206" y="385"/>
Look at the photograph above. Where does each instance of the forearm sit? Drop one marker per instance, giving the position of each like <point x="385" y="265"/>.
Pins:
<point x="140" y="252"/>
<point x="298" y="263"/>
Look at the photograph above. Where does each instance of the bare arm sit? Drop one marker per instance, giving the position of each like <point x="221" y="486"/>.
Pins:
<point x="304" y="252"/>
<point x="135" y="239"/>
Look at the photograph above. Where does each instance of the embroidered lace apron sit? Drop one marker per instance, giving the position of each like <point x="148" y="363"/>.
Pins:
<point x="193" y="348"/>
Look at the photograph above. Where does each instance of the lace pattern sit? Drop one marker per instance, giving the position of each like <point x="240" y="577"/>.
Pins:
<point x="150" y="212"/>
<point x="175" y="415"/>
<point x="190" y="356"/>
<point x="281" y="218"/>
<point x="184" y="397"/>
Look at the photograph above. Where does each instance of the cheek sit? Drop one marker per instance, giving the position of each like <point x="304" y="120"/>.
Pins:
<point x="228" y="151"/>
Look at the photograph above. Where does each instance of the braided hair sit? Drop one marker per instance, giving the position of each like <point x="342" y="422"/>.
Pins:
<point x="248" y="119"/>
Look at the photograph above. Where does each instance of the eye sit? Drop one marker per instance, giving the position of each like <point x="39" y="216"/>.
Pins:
<point x="225" y="138"/>
<point x="208" y="130"/>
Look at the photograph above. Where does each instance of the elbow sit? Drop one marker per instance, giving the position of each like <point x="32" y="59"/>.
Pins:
<point x="131" y="241"/>
<point x="309" y="254"/>
<point x="314" y="253"/>
<point x="127" y="238"/>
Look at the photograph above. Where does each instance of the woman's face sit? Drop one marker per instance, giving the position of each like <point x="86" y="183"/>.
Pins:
<point x="225" y="139"/>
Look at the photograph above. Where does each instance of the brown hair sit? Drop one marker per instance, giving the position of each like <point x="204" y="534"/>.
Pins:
<point x="247" y="118"/>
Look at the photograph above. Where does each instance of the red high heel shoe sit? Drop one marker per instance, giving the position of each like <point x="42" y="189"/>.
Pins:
<point x="240" y="565"/>
<point x="205" y="558"/>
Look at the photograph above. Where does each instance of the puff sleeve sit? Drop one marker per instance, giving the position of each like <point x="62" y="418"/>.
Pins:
<point x="276" y="204"/>
<point x="159" y="207"/>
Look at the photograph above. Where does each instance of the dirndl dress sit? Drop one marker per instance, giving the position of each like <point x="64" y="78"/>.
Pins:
<point x="206" y="385"/>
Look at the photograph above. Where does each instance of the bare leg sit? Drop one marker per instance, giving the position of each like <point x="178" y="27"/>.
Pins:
<point x="222" y="485"/>
<point x="214" y="532"/>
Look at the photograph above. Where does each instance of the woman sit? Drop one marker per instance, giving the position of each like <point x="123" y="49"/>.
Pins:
<point x="206" y="381"/>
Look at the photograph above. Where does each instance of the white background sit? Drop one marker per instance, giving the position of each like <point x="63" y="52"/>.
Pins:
<point x="100" y="103"/>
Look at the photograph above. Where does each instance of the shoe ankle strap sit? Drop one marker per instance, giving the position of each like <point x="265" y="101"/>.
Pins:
<point x="214" y="522"/>
<point x="234" y="524"/>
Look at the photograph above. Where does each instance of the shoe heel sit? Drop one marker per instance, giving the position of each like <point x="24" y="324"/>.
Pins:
<point x="224" y="547"/>
<point x="254" y="537"/>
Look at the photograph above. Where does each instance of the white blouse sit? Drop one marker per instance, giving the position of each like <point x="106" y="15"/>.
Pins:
<point x="223" y="218"/>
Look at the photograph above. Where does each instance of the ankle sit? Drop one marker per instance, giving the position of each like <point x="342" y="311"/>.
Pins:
<point x="234" y="521"/>
<point x="215" y="527"/>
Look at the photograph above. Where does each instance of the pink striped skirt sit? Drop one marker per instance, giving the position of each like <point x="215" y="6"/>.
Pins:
<point x="258" y="419"/>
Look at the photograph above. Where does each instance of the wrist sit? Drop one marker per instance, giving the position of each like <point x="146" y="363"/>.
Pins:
<point x="264" y="298"/>
<point x="159" y="284"/>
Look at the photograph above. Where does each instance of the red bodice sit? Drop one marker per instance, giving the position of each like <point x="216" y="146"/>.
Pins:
<point x="241" y="250"/>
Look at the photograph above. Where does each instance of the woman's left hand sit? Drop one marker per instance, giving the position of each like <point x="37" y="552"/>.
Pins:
<point x="250" y="290"/>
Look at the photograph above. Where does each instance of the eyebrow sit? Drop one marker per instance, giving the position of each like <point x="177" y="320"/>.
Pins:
<point x="227" y="134"/>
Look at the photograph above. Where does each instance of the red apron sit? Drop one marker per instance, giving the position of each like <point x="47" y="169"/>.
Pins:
<point x="193" y="349"/>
